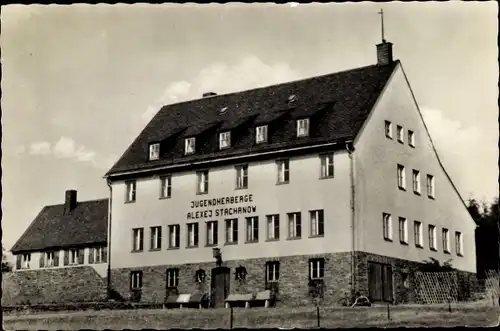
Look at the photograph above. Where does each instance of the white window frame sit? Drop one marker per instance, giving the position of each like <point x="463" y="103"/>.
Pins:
<point x="459" y="243"/>
<point x="317" y="268"/>
<point x="212" y="235"/>
<point x="303" y="127"/>
<point x="189" y="145"/>
<point x="224" y="139"/>
<point x="136" y="280"/>
<point x="73" y="256"/>
<point x="202" y="181"/>
<point x="252" y="225"/>
<point x="432" y="237"/>
<point x="131" y="188"/>
<point x="138" y="238"/>
<point x="231" y="224"/>
<point x="416" y="181"/>
<point x="294" y="223"/>
<point x="327" y="165"/>
<point x="283" y="171"/>
<point x="172" y="277"/>
<point x="388" y="129"/>
<point x="272" y="271"/>
<point x="50" y="259"/>
<point x="418" y="234"/>
<point x="431" y="188"/>
<point x="193" y="234"/>
<point x="26" y="261"/>
<point x="411" y="138"/>
<point x="400" y="134"/>
<point x="174" y="236"/>
<point x="242" y="176"/>
<point x="98" y="254"/>
<point x="403" y="230"/>
<point x="317" y="217"/>
<point x="445" y="233"/>
<point x="156" y="237"/>
<point x="387" y="226"/>
<point x="261" y="134"/>
<point x="401" y="177"/>
<point x="273" y="221"/>
<point x="166" y="187"/>
<point x="154" y="151"/>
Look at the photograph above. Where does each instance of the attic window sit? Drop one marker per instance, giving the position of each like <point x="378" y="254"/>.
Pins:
<point x="261" y="134"/>
<point x="292" y="98"/>
<point x="189" y="146"/>
<point x="223" y="110"/>
<point x="303" y="127"/>
<point x="224" y="139"/>
<point x="154" y="151"/>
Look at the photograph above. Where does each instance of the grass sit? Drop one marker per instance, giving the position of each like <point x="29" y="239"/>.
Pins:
<point x="304" y="317"/>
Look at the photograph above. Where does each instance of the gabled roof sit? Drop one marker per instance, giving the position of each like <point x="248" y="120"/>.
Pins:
<point x="346" y="97"/>
<point x="86" y="224"/>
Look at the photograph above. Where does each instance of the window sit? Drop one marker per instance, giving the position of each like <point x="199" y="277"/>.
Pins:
<point x="403" y="231"/>
<point x="401" y="177"/>
<point x="261" y="134"/>
<point x="131" y="186"/>
<point x="416" y="181"/>
<point x="26" y="261"/>
<point x="165" y="187"/>
<point x="240" y="273"/>
<point x="174" y="235"/>
<point x="49" y="259"/>
<point x="252" y="229"/>
<point x="232" y="231"/>
<point x="189" y="145"/>
<point x="327" y="166"/>
<point x="388" y="129"/>
<point x="432" y="237"/>
<point x="417" y="227"/>
<point x="316" y="268"/>
<point x="242" y="176"/>
<point x="400" y="134"/>
<point x="283" y="171"/>
<point x="155" y="243"/>
<point x="192" y="234"/>
<point x="136" y="280"/>
<point x="446" y="240"/>
<point x="202" y="181"/>
<point x="430" y="186"/>
<point x="73" y="256"/>
<point x="459" y="243"/>
<point x="272" y="271"/>
<point x="387" y="226"/>
<point x="154" y="151"/>
<point x="200" y="276"/>
<point x="212" y="233"/>
<point x="303" y="127"/>
<point x="98" y="253"/>
<point x="224" y="140"/>
<point x="317" y="223"/>
<point x="273" y="227"/>
<point x="294" y="226"/>
<point x="411" y="138"/>
<point x="172" y="277"/>
<point x="138" y="237"/>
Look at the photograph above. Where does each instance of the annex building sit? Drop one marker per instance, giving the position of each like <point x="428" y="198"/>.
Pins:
<point x="330" y="182"/>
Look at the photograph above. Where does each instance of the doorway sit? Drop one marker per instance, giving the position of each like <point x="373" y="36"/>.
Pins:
<point x="380" y="282"/>
<point x="220" y="286"/>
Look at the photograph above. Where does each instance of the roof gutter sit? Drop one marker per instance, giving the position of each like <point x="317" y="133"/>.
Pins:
<point x="226" y="159"/>
<point x="109" y="239"/>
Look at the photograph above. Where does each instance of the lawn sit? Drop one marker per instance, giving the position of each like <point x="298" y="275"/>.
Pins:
<point x="305" y="317"/>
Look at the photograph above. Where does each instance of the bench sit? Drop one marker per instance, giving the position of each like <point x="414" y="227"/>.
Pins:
<point x="246" y="299"/>
<point x="189" y="300"/>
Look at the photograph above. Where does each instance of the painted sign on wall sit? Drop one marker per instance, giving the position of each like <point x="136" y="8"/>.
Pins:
<point x="223" y="206"/>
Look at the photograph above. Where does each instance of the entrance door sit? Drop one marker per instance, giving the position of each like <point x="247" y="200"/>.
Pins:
<point x="220" y="286"/>
<point x="380" y="282"/>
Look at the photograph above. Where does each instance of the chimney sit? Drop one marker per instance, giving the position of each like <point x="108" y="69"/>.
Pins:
<point x="70" y="202"/>
<point x="384" y="53"/>
<point x="209" y="94"/>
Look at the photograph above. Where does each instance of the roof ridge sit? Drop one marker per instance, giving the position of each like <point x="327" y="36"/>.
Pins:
<point x="84" y="201"/>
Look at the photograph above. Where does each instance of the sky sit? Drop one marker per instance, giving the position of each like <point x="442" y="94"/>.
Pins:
<point x="80" y="82"/>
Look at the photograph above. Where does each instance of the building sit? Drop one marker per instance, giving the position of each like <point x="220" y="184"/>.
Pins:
<point x="65" y="247"/>
<point x="330" y="182"/>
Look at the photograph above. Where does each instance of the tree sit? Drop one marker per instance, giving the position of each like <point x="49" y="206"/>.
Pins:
<point x="433" y="265"/>
<point x="6" y="266"/>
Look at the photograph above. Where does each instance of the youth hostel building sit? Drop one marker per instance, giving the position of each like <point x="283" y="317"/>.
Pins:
<point x="330" y="182"/>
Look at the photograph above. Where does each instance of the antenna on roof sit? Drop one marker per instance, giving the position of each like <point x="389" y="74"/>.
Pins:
<point x="381" y="12"/>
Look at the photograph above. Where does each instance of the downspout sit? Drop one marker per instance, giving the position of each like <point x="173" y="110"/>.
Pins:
<point x="350" y="151"/>
<point x="109" y="239"/>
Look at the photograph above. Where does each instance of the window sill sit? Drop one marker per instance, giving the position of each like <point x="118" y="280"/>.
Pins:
<point x="283" y="183"/>
<point x="419" y="246"/>
<point x="317" y="236"/>
<point x="412" y="146"/>
<point x="129" y="201"/>
<point x="241" y="188"/>
<point x="388" y="239"/>
<point x="401" y="142"/>
<point x="460" y="254"/>
<point x="201" y="193"/>
<point x="211" y="245"/>
<point x="403" y="243"/>
<point x="155" y="249"/>
<point x="231" y="243"/>
<point x="388" y="137"/>
<point x="401" y="188"/>
<point x="431" y="197"/>
<point x="417" y="193"/>
<point x="447" y="252"/>
<point x="326" y="177"/>
<point x="433" y="249"/>
<point x="294" y="238"/>
<point x="137" y="289"/>
<point x="164" y="198"/>
<point x="190" y="247"/>
<point x="273" y="239"/>
<point x="251" y="241"/>
<point x="173" y="248"/>
<point x="137" y="251"/>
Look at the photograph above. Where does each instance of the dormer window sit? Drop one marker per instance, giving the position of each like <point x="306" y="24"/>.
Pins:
<point x="189" y="146"/>
<point x="224" y="139"/>
<point x="154" y="151"/>
<point x="303" y="127"/>
<point x="261" y="134"/>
